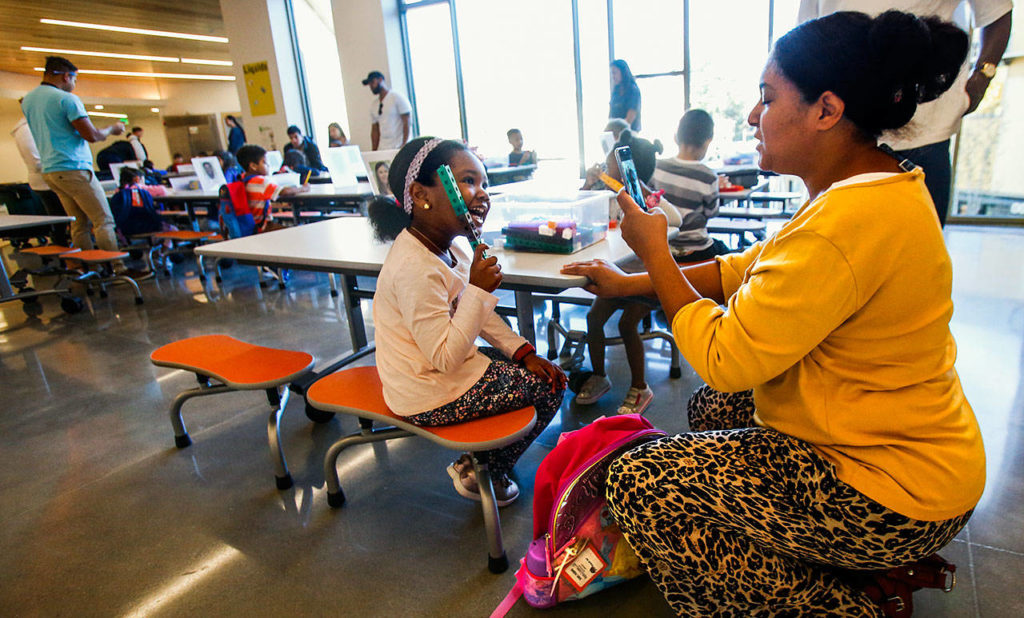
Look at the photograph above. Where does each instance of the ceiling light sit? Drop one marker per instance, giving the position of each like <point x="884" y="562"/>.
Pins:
<point x="97" y="107"/>
<point x="109" y="28"/>
<point x="75" y="52"/>
<point x="109" y="115"/>
<point x="155" y="110"/>
<point x="220" y="78"/>
<point x="219" y="63"/>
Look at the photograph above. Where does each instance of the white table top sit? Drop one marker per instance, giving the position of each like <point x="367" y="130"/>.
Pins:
<point x="13" y="222"/>
<point x="328" y="191"/>
<point x="347" y="245"/>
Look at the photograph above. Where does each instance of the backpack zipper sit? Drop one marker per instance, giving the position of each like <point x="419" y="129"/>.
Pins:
<point x="564" y="494"/>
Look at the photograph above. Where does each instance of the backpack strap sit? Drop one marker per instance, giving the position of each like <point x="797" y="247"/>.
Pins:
<point x="513" y="595"/>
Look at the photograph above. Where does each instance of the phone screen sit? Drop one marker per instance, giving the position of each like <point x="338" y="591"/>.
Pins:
<point x="624" y="157"/>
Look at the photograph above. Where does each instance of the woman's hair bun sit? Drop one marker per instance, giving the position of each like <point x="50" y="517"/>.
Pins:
<point x="881" y="67"/>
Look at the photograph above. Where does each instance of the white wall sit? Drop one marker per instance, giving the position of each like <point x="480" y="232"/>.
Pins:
<point x="369" y="38"/>
<point x="258" y="31"/>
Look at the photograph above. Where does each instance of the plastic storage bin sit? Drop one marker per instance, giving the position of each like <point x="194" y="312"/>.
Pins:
<point x="563" y="224"/>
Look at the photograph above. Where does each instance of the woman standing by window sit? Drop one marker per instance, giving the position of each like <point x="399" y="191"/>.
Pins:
<point x="625" y="101"/>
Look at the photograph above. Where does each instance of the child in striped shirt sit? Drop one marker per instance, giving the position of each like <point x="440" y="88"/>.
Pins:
<point x="259" y="189"/>
<point x="690" y="198"/>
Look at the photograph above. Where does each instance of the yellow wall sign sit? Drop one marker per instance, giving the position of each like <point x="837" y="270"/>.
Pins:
<point x="257" y="86"/>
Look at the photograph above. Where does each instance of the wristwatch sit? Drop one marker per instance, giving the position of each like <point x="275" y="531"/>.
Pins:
<point x="988" y="69"/>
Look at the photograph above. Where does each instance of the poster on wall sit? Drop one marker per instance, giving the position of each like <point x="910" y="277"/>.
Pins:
<point x="258" y="88"/>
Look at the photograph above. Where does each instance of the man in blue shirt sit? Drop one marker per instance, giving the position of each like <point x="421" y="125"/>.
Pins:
<point x="62" y="129"/>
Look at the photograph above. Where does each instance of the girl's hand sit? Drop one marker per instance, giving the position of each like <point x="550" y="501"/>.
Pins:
<point x="545" y="370"/>
<point x="646" y="233"/>
<point x="484" y="273"/>
<point x="606" y="279"/>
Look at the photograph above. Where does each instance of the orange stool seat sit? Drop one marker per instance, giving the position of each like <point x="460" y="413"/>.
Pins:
<point x="183" y="235"/>
<point x="50" y="250"/>
<point x="214" y="238"/>
<point x="97" y="256"/>
<point x="240" y="365"/>
<point x="358" y="391"/>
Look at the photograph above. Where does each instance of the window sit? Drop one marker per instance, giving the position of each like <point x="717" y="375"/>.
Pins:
<point x="431" y="53"/>
<point x="325" y="96"/>
<point x="655" y="50"/>
<point x="728" y="47"/>
<point x="518" y="71"/>
<point x="988" y="180"/>
<point x="594" y="59"/>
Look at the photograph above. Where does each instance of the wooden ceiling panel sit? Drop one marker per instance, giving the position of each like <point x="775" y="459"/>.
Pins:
<point x="20" y="26"/>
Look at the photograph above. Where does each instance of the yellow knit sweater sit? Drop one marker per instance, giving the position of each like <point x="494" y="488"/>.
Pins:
<point x="840" y="324"/>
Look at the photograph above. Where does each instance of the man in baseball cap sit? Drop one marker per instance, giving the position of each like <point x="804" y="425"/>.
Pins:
<point x="389" y="114"/>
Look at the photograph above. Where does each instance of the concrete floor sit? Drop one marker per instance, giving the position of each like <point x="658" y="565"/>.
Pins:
<point x="102" y="516"/>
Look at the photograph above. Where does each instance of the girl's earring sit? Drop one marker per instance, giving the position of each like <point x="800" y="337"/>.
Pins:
<point x="426" y="205"/>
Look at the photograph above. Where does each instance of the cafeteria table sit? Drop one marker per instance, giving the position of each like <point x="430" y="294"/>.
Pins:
<point x="20" y="224"/>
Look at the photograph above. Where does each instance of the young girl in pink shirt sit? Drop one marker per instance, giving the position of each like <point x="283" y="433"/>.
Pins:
<point x="434" y="299"/>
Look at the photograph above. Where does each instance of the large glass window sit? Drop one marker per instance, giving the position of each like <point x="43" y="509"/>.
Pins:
<point x="728" y="47"/>
<point x="314" y="34"/>
<point x="650" y="36"/>
<point x="784" y="17"/>
<point x="432" y="59"/>
<point x="518" y="71"/>
<point x="988" y="179"/>
<point x="593" y="35"/>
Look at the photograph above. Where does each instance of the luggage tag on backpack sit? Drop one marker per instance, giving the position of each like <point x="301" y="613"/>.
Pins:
<point x="458" y="204"/>
<point x="581" y="564"/>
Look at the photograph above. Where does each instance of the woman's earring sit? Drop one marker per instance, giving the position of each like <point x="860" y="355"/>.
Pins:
<point x="426" y="205"/>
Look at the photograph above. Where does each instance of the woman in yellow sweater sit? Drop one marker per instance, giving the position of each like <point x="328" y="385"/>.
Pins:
<point x="833" y="434"/>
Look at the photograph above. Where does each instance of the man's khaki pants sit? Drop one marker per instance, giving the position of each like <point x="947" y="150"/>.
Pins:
<point x="83" y="198"/>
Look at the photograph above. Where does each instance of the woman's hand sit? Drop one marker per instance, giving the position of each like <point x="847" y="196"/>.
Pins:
<point x="545" y="370"/>
<point x="606" y="279"/>
<point x="484" y="273"/>
<point x="646" y="233"/>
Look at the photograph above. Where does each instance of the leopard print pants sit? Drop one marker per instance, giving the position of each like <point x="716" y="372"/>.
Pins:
<point x="738" y="520"/>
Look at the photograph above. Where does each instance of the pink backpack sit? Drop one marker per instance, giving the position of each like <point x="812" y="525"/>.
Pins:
<point x="577" y="549"/>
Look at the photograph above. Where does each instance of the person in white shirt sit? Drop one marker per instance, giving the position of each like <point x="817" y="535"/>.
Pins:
<point x="925" y="141"/>
<point x="390" y="114"/>
<point x="30" y="155"/>
<point x="135" y="139"/>
<point x="434" y="299"/>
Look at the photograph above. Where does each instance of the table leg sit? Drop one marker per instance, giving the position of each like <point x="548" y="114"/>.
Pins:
<point x="5" y="281"/>
<point x="190" y="207"/>
<point x="354" y="312"/>
<point x="524" y="313"/>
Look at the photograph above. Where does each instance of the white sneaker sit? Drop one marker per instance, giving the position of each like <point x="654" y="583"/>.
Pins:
<point x="593" y="389"/>
<point x="637" y="400"/>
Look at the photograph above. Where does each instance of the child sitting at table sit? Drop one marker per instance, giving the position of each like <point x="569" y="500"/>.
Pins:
<point x="518" y="156"/>
<point x="295" y="161"/>
<point x="434" y="298"/>
<point x="229" y="166"/>
<point x="258" y="188"/>
<point x="133" y="208"/>
<point x="690" y="191"/>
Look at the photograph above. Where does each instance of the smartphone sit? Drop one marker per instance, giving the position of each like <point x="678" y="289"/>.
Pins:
<point x="458" y="204"/>
<point x="627" y="169"/>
